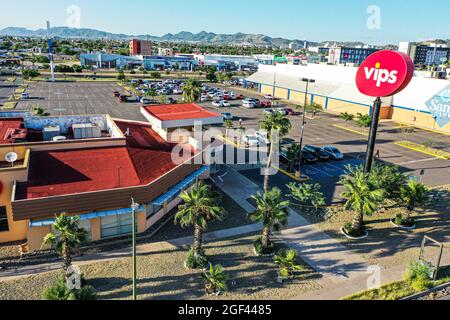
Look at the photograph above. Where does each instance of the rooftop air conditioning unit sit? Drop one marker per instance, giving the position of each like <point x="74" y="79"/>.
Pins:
<point x="50" y="132"/>
<point x="86" y="131"/>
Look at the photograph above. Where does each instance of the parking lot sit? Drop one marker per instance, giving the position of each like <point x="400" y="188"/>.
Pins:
<point x="6" y="90"/>
<point x="72" y="98"/>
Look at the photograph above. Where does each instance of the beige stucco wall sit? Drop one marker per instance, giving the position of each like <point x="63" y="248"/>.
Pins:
<point x="423" y="120"/>
<point x="338" y="106"/>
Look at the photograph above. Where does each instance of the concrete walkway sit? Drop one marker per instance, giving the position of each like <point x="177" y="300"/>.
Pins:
<point x="324" y="254"/>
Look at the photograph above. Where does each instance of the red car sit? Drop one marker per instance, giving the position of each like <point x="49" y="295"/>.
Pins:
<point x="265" y="104"/>
<point x="116" y="94"/>
<point x="240" y="97"/>
<point x="290" y="112"/>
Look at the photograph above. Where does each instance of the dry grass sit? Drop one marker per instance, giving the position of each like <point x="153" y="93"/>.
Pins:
<point x="162" y="276"/>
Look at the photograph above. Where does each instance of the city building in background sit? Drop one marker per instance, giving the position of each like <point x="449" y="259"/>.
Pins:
<point x="165" y="52"/>
<point x="349" y="56"/>
<point x="426" y="55"/>
<point x="140" y="47"/>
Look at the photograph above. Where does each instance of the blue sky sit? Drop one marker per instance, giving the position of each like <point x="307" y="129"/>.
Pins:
<point x="401" y="20"/>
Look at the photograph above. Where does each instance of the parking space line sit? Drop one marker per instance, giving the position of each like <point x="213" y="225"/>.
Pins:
<point x="350" y="130"/>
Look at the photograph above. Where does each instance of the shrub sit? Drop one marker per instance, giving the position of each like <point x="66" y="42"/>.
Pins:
<point x="419" y="270"/>
<point x="400" y="220"/>
<point x="60" y="291"/>
<point x="421" y="284"/>
<point x="196" y="262"/>
<point x="215" y="279"/>
<point x="348" y="228"/>
<point x="286" y="260"/>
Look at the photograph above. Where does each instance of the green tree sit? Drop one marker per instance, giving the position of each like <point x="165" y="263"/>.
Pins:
<point x="292" y="155"/>
<point x="121" y="76"/>
<point x="151" y="93"/>
<point x="199" y="207"/>
<point x="271" y="210"/>
<point x="362" y="197"/>
<point x="314" y="108"/>
<point x="60" y="291"/>
<point x="228" y="125"/>
<point x="307" y="194"/>
<point x="66" y="238"/>
<point x="29" y="74"/>
<point x="276" y="124"/>
<point x="192" y="90"/>
<point x="155" y="75"/>
<point x="163" y="99"/>
<point x="413" y="194"/>
<point x="389" y="178"/>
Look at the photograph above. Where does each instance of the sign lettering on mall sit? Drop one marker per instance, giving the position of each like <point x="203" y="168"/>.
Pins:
<point x="439" y="106"/>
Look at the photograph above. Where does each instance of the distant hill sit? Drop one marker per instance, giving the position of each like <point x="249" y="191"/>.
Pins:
<point x="184" y="36"/>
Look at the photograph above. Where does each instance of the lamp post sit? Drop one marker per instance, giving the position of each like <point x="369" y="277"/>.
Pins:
<point x="302" y="134"/>
<point x="134" y="208"/>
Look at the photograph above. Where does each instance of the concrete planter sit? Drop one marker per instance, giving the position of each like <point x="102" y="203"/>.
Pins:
<point x="402" y="227"/>
<point x="354" y="238"/>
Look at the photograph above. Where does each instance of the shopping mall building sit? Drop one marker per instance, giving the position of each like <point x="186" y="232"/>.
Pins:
<point x="425" y="103"/>
<point x="92" y="167"/>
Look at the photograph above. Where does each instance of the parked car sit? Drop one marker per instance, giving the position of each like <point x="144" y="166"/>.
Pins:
<point x="116" y="94"/>
<point x="217" y="103"/>
<point x="250" y="141"/>
<point x="248" y="104"/>
<point x="146" y="101"/>
<point x="318" y="152"/>
<point x="204" y="98"/>
<point x="25" y="95"/>
<point x="290" y="112"/>
<point x="268" y="97"/>
<point x="225" y="104"/>
<point x="177" y="91"/>
<point x="334" y="153"/>
<point x="263" y="137"/>
<point x="308" y="158"/>
<point x="239" y="97"/>
<point x="171" y="100"/>
<point x="265" y="104"/>
<point x="269" y="111"/>
<point x="227" y="116"/>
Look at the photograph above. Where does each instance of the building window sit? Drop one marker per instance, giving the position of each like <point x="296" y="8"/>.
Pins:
<point x="152" y="209"/>
<point x="86" y="225"/>
<point x="116" y="225"/>
<point x="3" y="220"/>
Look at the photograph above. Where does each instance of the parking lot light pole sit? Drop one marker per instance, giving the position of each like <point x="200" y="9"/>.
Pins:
<point x="372" y="135"/>
<point x="302" y="133"/>
<point x="134" y="208"/>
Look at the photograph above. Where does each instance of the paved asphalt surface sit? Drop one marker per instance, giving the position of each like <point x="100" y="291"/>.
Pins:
<point x="6" y="90"/>
<point x="73" y="98"/>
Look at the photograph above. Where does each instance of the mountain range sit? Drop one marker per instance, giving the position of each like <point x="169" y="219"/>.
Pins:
<point x="184" y="36"/>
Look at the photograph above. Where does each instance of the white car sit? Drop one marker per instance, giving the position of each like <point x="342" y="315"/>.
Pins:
<point x="263" y="137"/>
<point x="177" y="91"/>
<point x="25" y="95"/>
<point x="248" y="104"/>
<point x="217" y="103"/>
<point x="145" y="101"/>
<point x="250" y="141"/>
<point x="268" y="97"/>
<point x="204" y="98"/>
<point x="225" y="104"/>
<point x="227" y="116"/>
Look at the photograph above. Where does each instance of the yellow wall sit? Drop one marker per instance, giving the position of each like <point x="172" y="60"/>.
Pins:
<point x="281" y="93"/>
<point x="17" y="229"/>
<point x="266" y="89"/>
<point x="422" y="119"/>
<point x="35" y="236"/>
<point x="320" y="100"/>
<point x="96" y="229"/>
<point x="339" y="106"/>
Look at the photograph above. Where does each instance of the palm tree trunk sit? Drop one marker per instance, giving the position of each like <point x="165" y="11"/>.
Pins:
<point x="357" y="221"/>
<point x="269" y="164"/>
<point x="198" y="234"/>
<point x="265" y="237"/>
<point x="67" y="261"/>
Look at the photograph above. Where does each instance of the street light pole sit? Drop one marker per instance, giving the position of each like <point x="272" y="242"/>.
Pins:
<point x="372" y="135"/>
<point x="302" y="134"/>
<point x="134" y="207"/>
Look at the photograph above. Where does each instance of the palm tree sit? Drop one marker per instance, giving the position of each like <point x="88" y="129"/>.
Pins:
<point x="286" y="260"/>
<point x="191" y="90"/>
<point x="412" y="194"/>
<point x="199" y="207"/>
<point x="215" y="279"/>
<point x="228" y="125"/>
<point x="272" y="123"/>
<point x="292" y="154"/>
<point x="66" y="239"/>
<point x="307" y="194"/>
<point x="362" y="196"/>
<point x="271" y="210"/>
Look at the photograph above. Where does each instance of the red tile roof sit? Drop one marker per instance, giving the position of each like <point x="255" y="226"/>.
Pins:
<point x="54" y="173"/>
<point x="6" y="124"/>
<point x="179" y="112"/>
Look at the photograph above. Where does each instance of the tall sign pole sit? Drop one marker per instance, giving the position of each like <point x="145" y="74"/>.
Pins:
<point x="384" y="73"/>
<point x="50" y="51"/>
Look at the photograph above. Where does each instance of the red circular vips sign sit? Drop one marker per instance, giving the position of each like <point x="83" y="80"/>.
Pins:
<point x="384" y="73"/>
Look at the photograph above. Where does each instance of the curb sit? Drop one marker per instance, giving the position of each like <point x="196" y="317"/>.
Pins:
<point x="426" y="293"/>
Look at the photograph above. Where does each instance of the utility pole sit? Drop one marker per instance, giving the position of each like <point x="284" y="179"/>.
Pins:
<point x="134" y="208"/>
<point x="302" y="133"/>
<point x="50" y="52"/>
<point x="372" y="135"/>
